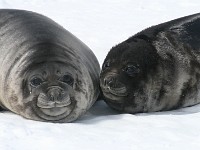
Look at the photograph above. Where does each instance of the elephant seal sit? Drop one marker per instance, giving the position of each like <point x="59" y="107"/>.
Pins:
<point x="157" y="69"/>
<point x="47" y="74"/>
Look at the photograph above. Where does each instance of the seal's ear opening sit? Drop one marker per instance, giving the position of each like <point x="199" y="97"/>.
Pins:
<point x="25" y="89"/>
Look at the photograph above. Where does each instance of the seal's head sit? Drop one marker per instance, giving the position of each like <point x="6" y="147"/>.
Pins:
<point x="49" y="85"/>
<point x="124" y="75"/>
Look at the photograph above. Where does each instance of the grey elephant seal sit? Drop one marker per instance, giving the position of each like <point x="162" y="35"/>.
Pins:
<point x="47" y="74"/>
<point x="158" y="69"/>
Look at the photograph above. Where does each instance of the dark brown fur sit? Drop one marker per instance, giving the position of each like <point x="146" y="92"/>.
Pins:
<point x="159" y="67"/>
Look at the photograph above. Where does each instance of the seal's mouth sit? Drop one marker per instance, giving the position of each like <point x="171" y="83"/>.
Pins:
<point x="118" y="91"/>
<point x="115" y="94"/>
<point x="44" y="102"/>
<point x="53" y="107"/>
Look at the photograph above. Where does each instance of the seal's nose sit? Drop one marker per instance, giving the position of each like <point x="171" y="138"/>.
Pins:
<point x="55" y="94"/>
<point x="109" y="81"/>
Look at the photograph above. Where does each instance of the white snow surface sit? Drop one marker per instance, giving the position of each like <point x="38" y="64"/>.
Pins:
<point x="101" y="24"/>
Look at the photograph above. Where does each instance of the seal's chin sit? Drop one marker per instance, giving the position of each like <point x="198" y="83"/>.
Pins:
<point x="56" y="111"/>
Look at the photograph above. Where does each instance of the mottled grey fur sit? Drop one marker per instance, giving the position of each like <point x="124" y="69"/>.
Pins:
<point x="34" y="45"/>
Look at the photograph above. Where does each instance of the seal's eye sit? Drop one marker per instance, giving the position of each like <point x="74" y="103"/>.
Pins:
<point x="131" y="70"/>
<point x="36" y="82"/>
<point x="106" y="64"/>
<point x="67" y="79"/>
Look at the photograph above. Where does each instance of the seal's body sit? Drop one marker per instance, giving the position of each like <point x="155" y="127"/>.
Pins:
<point x="47" y="74"/>
<point x="157" y="69"/>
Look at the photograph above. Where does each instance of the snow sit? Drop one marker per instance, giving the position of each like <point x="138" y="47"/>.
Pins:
<point x="101" y="24"/>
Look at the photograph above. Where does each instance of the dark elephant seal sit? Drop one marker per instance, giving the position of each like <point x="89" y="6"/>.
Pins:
<point x="157" y="69"/>
<point x="47" y="74"/>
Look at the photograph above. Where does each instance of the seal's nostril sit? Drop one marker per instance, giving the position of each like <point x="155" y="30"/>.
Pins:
<point x="108" y="81"/>
<point x="51" y="97"/>
<point x="55" y="94"/>
<point x="62" y="92"/>
<point x="110" y="84"/>
<point x="105" y="81"/>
